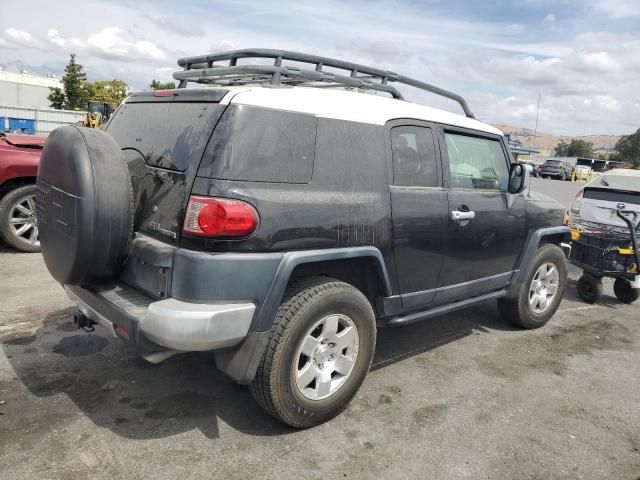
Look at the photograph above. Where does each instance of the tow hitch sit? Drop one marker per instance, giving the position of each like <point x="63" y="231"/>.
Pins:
<point x="81" y="321"/>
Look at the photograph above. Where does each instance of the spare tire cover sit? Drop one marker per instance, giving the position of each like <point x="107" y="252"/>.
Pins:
<point x="84" y="205"/>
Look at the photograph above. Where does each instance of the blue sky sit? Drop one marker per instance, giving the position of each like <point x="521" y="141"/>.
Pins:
<point x="582" y="56"/>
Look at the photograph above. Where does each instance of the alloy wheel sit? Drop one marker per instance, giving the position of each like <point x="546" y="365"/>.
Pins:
<point x="326" y="356"/>
<point x="22" y="220"/>
<point x="544" y="287"/>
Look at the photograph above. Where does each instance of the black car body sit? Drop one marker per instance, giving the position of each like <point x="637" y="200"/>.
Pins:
<point x="248" y="202"/>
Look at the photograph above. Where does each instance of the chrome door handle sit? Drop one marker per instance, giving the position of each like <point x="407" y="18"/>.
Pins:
<point x="458" y="216"/>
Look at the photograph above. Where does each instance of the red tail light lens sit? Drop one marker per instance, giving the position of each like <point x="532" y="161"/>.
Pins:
<point x="219" y="217"/>
<point x="577" y="203"/>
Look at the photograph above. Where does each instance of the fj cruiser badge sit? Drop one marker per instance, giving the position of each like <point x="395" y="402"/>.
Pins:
<point x="156" y="227"/>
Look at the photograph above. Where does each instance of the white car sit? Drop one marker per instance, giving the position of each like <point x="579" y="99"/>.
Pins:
<point x="595" y="207"/>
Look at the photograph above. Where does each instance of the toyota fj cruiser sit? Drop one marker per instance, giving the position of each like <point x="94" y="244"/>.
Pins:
<point x="277" y="224"/>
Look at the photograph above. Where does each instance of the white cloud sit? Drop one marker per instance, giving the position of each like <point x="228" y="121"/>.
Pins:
<point x="619" y="8"/>
<point x="549" y="19"/>
<point x="515" y="28"/>
<point x="20" y="37"/>
<point x="110" y="43"/>
<point x="54" y="38"/>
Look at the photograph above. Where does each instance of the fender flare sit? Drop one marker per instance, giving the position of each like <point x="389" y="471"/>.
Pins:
<point x="529" y="253"/>
<point x="241" y="363"/>
<point x="290" y="260"/>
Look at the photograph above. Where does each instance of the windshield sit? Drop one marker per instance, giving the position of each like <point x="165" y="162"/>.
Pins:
<point x="553" y="163"/>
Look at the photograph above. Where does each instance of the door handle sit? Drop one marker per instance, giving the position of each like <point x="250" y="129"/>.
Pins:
<point x="462" y="217"/>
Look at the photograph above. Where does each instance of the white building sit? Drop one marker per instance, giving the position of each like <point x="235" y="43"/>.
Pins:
<point x="24" y="106"/>
<point x="25" y="90"/>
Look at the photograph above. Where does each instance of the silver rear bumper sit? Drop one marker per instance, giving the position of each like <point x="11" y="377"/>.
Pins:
<point x="171" y="323"/>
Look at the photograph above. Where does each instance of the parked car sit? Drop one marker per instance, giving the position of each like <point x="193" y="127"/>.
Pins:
<point x="19" y="157"/>
<point x="557" y="168"/>
<point x="606" y="247"/>
<point x="277" y="227"/>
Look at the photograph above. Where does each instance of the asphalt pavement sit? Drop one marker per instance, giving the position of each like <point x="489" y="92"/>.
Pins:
<point x="461" y="396"/>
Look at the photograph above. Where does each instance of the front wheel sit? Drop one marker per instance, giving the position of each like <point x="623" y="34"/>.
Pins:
<point x="18" y="226"/>
<point x="541" y="294"/>
<point x="319" y="352"/>
<point x="624" y="291"/>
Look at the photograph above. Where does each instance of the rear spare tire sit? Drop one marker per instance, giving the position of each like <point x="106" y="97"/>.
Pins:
<point x="84" y="205"/>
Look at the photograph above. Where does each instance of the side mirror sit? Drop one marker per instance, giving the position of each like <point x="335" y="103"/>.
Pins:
<point x="519" y="177"/>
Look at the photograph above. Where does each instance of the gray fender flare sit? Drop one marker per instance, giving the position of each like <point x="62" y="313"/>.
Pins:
<point x="241" y="363"/>
<point x="559" y="234"/>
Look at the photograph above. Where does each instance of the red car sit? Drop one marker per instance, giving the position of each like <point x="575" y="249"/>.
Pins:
<point x="19" y="157"/>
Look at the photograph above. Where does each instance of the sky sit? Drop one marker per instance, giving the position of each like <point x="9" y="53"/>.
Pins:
<point x="581" y="56"/>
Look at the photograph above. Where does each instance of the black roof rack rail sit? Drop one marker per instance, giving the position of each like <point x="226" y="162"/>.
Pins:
<point x="202" y="69"/>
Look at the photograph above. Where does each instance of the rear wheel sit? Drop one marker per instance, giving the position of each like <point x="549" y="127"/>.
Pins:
<point x="320" y="349"/>
<point x="541" y="294"/>
<point x="624" y="291"/>
<point x="590" y="288"/>
<point x="18" y="227"/>
<point x="564" y="176"/>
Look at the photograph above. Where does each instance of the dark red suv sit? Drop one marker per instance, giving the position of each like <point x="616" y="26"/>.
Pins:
<point x="19" y="158"/>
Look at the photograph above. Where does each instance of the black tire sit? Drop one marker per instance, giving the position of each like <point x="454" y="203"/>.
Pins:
<point x="589" y="288"/>
<point x="27" y="242"/>
<point x="305" y="303"/>
<point x="564" y="176"/>
<point x="85" y="205"/>
<point x="623" y="290"/>
<point x="518" y="310"/>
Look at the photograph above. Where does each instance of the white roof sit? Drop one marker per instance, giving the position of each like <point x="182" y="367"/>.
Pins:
<point x="346" y="105"/>
<point x="27" y="79"/>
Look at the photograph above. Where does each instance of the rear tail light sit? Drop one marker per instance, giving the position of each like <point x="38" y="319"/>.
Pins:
<point x="219" y="217"/>
<point x="577" y="203"/>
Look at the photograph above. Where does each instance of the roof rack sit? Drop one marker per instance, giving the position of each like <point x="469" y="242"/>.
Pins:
<point x="202" y="69"/>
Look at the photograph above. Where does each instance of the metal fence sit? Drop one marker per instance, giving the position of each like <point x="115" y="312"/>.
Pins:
<point x="40" y="121"/>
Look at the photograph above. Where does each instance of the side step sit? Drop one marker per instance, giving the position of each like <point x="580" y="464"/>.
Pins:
<point x="434" y="312"/>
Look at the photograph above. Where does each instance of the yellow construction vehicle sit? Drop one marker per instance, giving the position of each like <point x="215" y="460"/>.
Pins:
<point x="97" y="114"/>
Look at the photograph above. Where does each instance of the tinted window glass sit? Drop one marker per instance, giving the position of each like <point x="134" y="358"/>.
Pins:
<point x="414" y="156"/>
<point x="476" y="163"/>
<point x="260" y="145"/>
<point x="169" y="135"/>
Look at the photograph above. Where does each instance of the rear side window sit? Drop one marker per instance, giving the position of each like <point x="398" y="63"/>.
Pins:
<point x="168" y="134"/>
<point x="476" y="162"/>
<point x="260" y="145"/>
<point x="414" y="156"/>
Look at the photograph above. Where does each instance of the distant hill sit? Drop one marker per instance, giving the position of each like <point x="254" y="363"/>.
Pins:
<point x="548" y="141"/>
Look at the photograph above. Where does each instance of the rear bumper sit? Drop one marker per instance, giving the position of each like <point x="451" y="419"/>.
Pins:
<point x="165" y="324"/>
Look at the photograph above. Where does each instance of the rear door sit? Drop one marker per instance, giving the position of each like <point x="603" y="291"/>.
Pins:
<point x="486" y="225"/>
<point x="163" y="136"/>
<point x="419" y="211"/>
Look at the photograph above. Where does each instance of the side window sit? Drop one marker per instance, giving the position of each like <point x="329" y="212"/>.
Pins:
<point x="260" y="145"/>
<point x="414" y="157"/>
<point x="477" y="163"/>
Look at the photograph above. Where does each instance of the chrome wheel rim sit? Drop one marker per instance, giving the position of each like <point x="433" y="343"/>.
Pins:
<point x="326" y="356"/>
<point x="22" y="220"/>
<point x="544" y="287"/>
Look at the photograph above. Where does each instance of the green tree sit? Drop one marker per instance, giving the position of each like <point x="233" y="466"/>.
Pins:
<point x="112" y="92"/>
<point x="74" y="84"/>
<point x="56" y="98"/>
<point x="575" y="148"/>
<point x="628" y="148"/>
<point x="158" y="85"/>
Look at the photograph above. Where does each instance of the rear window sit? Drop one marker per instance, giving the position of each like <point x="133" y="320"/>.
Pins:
<point x="260" y="145"/>
<point x="168" y="134"/>
<point x="553" y="163"/>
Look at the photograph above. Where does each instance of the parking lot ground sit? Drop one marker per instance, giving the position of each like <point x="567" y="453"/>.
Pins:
<point x="461" y="396"/>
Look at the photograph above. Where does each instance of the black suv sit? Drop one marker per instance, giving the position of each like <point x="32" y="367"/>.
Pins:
<point x="557" y="168"/>
<point x="277" y="224"/>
